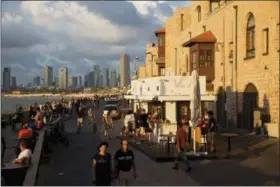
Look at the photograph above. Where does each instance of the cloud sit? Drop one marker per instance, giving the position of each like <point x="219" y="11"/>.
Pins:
<point x="76" y="34"/>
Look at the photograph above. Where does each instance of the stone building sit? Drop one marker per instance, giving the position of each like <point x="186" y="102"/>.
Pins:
<point x="235" y="45"/>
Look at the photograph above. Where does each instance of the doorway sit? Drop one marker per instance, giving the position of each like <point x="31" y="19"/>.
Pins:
<point x="250" y="103"/>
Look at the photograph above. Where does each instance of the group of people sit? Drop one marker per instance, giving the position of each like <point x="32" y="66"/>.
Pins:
<point x="123" y="170"/>
<point x="139" y="124"/>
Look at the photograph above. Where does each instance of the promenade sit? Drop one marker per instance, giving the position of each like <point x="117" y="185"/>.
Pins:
<point x="72" y="166"/>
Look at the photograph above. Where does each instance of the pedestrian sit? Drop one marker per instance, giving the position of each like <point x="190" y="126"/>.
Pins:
<point x="181" y="147"/>
<point x="125" y="165"/>
<point x="102" y="166"/>
<point x="212" y="129"/>
<point x="129" y="123"/>
<point x="80" y="115"/>
<point x="91" y="119"/>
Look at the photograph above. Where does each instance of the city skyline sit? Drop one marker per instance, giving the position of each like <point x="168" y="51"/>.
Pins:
<point x="54" y="43"/>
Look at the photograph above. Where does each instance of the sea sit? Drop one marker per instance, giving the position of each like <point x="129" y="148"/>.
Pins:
<point x="9" y="104"/>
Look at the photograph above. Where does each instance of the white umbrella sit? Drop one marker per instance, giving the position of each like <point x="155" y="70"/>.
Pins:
<point x="195" y="102"/>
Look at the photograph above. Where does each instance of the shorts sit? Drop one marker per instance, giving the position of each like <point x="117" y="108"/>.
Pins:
<point x="80" y="120"/>
<point x="211" y="137"/>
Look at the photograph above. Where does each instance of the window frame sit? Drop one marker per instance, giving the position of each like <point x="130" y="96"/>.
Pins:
<point x="198" y="11"/>
<point x="182" y="22"/>
<point x="265" y="41"/>
<point x="250" y="35"/>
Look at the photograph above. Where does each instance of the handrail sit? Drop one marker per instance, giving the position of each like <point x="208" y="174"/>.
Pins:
<point x="32" y="172"/>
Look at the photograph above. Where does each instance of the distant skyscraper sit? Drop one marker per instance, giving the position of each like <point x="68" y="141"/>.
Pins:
<point x="48" y="76"/>
<point x="73" y="82"/>
<point x="7" y="79"/>
<point x="80" y="82"/>
<point x="86" y="81"/>
<point x="113" y="78"/>
<point x="36" y="81"/>
<point x="96" y="70"/>
<point x="101" y="80"/>
<point x="105" y="77"/>
<point x="63" y="78"/>
<point x="91" y="79"/>
<point x="14" y="83"/>
<point x="56" y="81"/>
<point x="124" y="70"/>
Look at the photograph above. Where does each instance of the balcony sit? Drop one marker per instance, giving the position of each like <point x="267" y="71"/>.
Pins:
<point x="160" y="62"/>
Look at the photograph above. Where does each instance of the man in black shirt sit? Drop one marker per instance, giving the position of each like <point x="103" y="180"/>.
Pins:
<point x="102" y="166"/>
<point x="213" y="128"/>
<point x="124" y="165"/>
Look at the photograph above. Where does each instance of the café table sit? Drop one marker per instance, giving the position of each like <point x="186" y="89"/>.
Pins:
<point x="168" y="136"/>
<point x="229" y="136"/>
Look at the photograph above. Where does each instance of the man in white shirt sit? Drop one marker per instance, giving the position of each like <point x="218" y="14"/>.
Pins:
<point x="25" y="154"/>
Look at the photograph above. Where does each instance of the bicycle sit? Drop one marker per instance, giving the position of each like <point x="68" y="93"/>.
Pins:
<point x="56" y="136"/>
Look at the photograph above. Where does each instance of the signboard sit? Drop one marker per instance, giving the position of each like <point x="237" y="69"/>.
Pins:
<point x="166" y="85"/>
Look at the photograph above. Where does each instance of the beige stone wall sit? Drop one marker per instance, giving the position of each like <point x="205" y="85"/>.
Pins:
<point x="262" y="71"/>
<point x="152" y="68"/>
<point x="142" y="72"/>
<point x="173" y="30"/>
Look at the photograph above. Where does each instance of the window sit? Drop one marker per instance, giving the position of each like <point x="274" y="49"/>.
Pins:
<point x="265" y="41"/>
<point x="205" y="58"/>
<point x="198" y="11"/>
<point x="214" y="4"/>
<point x="182" y="22"/>
<point x="157" y="88"/>
<point x="162" y="71"/>
<point x="194" y="59"/>
<point x="250" y="45"/>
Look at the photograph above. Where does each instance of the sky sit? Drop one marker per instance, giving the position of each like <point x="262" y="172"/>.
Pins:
<point x="77" y="34"/>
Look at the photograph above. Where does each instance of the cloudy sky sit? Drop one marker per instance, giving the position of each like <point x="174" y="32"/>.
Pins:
<point x="77" y="34"/>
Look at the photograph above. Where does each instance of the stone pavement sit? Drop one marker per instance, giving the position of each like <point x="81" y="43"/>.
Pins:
<point x="72" y="166"/>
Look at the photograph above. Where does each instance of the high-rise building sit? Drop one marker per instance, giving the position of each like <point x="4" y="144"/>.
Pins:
<point x="86" y="81"/>
<point x="56" y="81"/>
<point x="105" y="77"/>
<point x="91" y="79"/>
<point x="48" y="76"/>
<point x="7" y="79"/>
<point x="14" y="83"/>
<point x="63" y="78"/>
<point x="80" y="83"/>
<point x="96" y="70"/>
<point x="36" y="81"/>
<point x="101" y="80"/>
<point x="113" y="78"/>
<point x="73" y="82"/>
<point x="124" y="70"/>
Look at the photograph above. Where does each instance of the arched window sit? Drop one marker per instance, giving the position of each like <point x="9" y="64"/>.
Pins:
<point x="250" y="45"/>
<point x="198" y="11"/>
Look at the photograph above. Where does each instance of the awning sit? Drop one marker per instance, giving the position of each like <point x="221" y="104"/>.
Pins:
<point x="130" y="97"/>
<point x="207" y="37"/>
<point x="186" y="98"/>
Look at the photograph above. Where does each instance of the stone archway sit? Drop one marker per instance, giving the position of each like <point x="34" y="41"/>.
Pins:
<point x="250" y="103"/>
<point x="220" y="107"/>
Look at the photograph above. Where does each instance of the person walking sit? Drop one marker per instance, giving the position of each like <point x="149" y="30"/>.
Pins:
<point x="125" y="169"/>
<point x="129" y="123"/>
<point x="212" y="129"/>
<point x="91" y="120"/>
<point x="102" y="166"/>
<point x="181" y="147"/>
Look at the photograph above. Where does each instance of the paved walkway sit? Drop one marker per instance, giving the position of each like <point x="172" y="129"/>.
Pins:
<point x="72" y="166"/>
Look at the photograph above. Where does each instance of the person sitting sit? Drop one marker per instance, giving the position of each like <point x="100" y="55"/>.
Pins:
<point x="25" y="154"/>
<point x="25" y="132"/>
